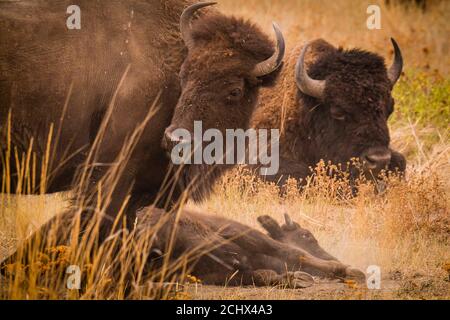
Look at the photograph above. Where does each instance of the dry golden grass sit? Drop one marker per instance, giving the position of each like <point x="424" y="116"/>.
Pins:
<point x="424" y="38"/>
<point x="405" y="230"/>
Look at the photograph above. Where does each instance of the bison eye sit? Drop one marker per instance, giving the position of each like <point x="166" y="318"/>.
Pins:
<point x="308" y="236"/>
<point x="235" y="94"/>
<point x="340" y="116"/>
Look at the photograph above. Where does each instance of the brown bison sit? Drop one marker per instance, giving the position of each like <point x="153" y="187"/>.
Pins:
<point x="102" y="81"/>
<point x="228" y="60"/>
<point x="225" y="56"/>
<point x="104" y="77"/>
<point x="332" y="104"/>
<point x="221" y="251"/>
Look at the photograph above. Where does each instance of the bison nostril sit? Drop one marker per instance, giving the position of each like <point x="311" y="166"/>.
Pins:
<point x="169" y="134"/>
<point x="376" y="160"/>
<point x="370" y="162"/>
<point x="379" y="158"/>
<point x="172" y="138"/>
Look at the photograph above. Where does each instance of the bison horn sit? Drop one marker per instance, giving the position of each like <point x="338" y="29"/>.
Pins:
<point x="274" y="62"/>
<point x="307" y="85"/>
<point x="185" y="21"/>
<point x="288" y="220"/>
<point x="396" y="69"/>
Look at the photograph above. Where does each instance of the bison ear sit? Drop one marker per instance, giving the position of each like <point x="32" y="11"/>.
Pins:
<point x="271" y="226"/>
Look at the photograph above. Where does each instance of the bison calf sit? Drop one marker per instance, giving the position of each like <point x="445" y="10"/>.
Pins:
<point x="224" y="251"/>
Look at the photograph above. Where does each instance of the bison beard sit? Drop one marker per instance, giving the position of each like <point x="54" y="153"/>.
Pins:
<point x="198" y="180"/>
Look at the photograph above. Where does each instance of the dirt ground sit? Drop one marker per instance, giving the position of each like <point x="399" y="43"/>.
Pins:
<point x="393" y="286"/>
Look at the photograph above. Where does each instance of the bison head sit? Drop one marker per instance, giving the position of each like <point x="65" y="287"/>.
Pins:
<point x="348" y="99"/>
<point x="228" y="60"/>
<point x="293" y="234"/>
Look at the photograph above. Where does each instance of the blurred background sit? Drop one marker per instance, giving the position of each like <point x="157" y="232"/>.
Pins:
<point x="421" y="27"/>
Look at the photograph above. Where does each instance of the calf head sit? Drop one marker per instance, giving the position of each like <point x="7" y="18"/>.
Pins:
<point x="228" y="60"/>
<point x="347" y="94"/>
<point x="291" y="233"/>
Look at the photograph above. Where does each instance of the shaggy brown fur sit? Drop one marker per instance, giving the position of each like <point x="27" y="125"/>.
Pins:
<point x="41" y="61"/>
<point x="357" y="89"/>
<point x="226" y="52"/>
<point x="224" y="247"/>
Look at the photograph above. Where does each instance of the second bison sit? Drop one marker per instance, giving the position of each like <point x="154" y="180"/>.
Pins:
<point x="332" y="104"/>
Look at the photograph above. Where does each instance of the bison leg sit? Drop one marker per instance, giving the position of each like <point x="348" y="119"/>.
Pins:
<point x="197" y="248"/>
<point x="261" y="278"/>
<point x="292" y="280"/>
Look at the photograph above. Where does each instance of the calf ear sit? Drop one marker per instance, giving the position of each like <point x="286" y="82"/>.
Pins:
<point x="290" y="225"/>
<point x="271" y="226"/>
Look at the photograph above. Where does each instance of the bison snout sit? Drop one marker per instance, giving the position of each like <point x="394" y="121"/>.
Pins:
<point x="172" y="137"/>
<point x="376" y="159"/>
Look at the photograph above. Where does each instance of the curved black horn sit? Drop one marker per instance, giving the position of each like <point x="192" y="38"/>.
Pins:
<point x="307" y="85"/>
<point x="396" y="69"/>
<point x="274" y="62"/>
<point x="185" y="21"/>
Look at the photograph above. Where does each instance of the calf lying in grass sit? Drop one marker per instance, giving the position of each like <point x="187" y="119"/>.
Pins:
<point x="221" y="251"/>
<point x="166" y="247"/>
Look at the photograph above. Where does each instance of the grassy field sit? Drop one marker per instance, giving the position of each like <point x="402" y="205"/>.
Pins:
<point x="406" y="230"/>
<point x="423" y="37"/>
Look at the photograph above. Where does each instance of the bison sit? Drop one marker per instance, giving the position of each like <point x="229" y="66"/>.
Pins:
<point x="88" y="90"/>
<point x="221" y="251"/>
<point x="228" y="61"/>
<point x="113" y="83"/>
<point x="332" y="104"/>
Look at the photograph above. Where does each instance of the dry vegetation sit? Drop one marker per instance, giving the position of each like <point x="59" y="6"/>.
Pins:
<point x="424" y="38"/>
<point x="405" y="230"/>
